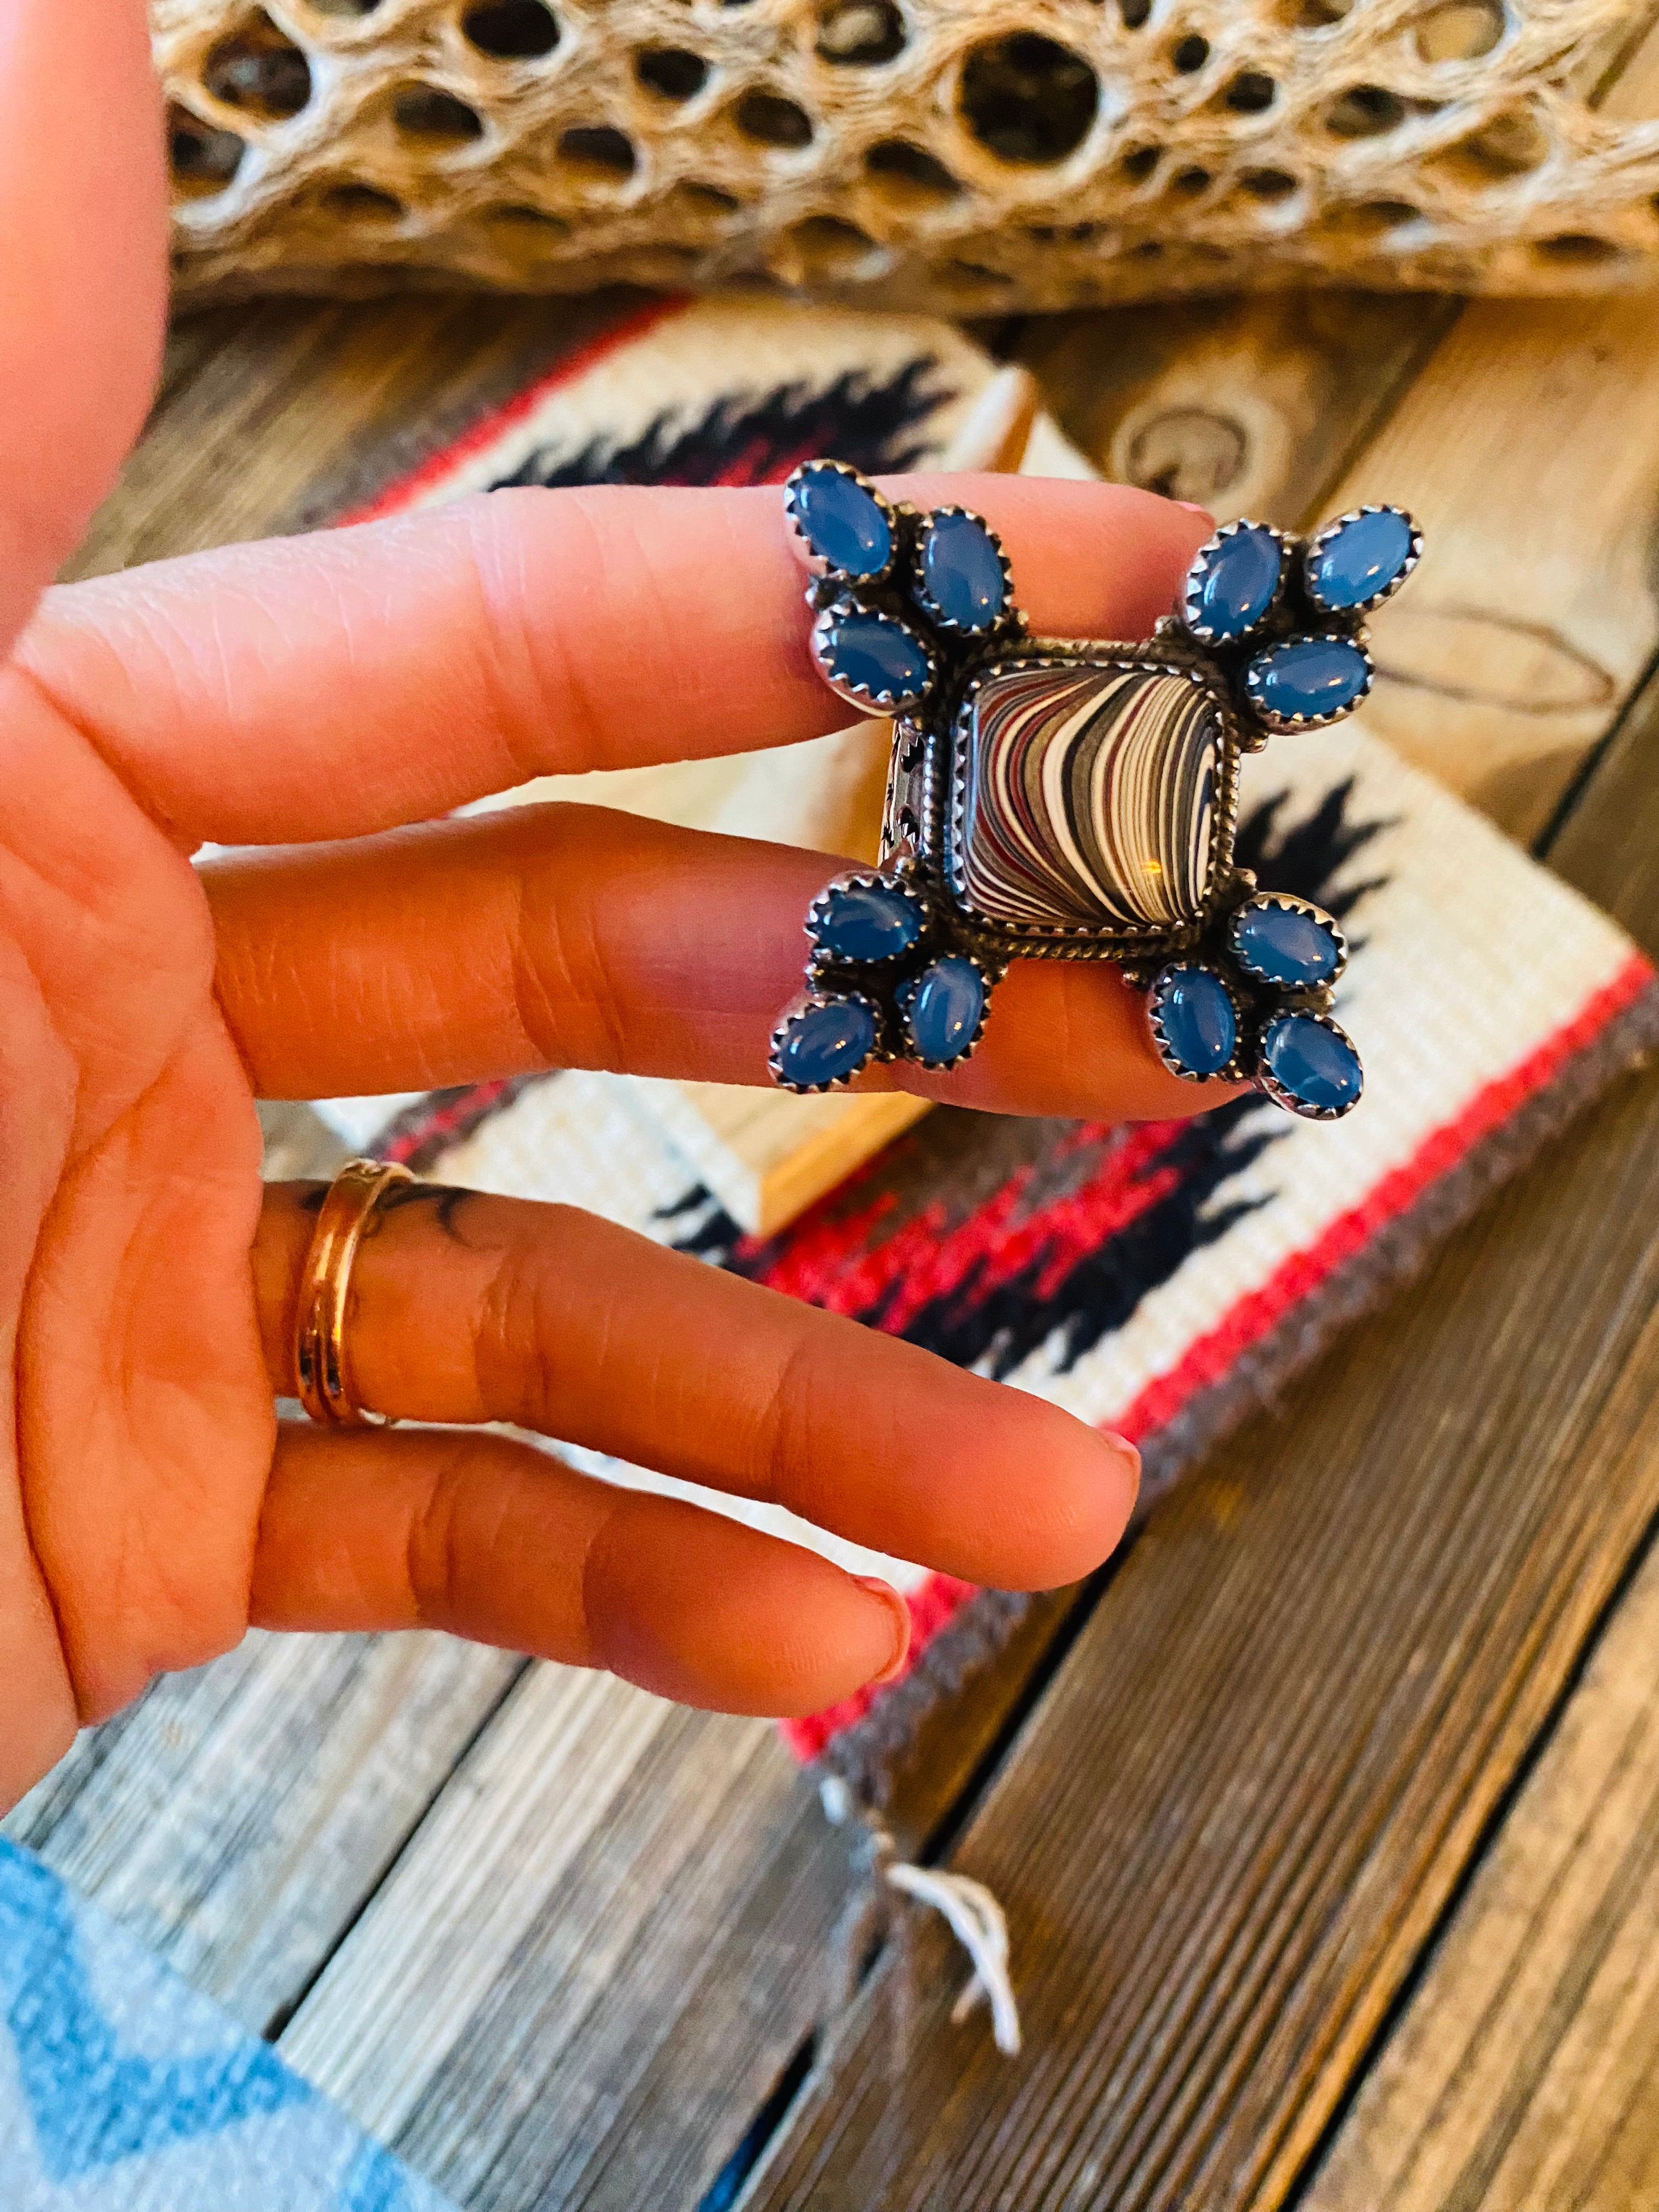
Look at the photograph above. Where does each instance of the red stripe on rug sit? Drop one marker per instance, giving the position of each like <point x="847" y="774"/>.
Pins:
<point x="485" y="432"/>
<point x="931" y="1604"/>
<point x="1208" y="1360"/>
<point x="934" y="1601"/>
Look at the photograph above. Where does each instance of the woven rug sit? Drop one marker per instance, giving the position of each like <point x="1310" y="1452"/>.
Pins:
<point x="1160" y="1279"/>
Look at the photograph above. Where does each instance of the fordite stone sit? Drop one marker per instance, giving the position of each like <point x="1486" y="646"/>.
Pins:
<point x="1089" y="796"/>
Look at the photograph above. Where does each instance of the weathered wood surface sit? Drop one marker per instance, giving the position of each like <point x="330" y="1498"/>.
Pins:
<point x="1228" y="1829"/>
<point x="1526" y="2071"/>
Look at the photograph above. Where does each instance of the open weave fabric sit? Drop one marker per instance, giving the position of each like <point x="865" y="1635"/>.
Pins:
<point x="121" y="2089"/>
<point x="1160" y="1279"/>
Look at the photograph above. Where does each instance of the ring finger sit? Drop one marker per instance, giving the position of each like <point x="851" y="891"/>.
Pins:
<point x="467" y="1308"/>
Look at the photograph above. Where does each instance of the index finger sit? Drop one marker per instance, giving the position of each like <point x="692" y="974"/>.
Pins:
<point x="350" y="682"/>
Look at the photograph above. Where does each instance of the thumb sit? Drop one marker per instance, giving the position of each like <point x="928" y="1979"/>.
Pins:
<point x="83" y="272"/>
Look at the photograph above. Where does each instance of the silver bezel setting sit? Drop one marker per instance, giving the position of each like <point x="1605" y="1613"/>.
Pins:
<point x="818" y="562"/>
<point x="1233" y="1071"/>
<point x="868" y="879"/>
<point x="1079" y="939"/>
<point x="1282" y="724"/>
<point x="1005" y="615"/>
<point x="886" y="701"/>
<point x="1318" y="543"/>
<point x="925" y="811"/>
<point x="1275" y="1089"/>
<point x="1193" y="623"/>
<point x="1290" y="903"/>
<point x="990" y="974"/>
<point x="809" y="998"/>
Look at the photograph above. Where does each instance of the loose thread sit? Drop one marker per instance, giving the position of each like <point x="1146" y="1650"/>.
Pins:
<point x="967" y="1908"/>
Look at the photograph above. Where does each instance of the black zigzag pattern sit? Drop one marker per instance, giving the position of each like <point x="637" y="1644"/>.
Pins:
<point x="873" y="423"/>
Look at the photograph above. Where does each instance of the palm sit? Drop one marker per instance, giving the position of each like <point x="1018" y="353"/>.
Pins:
<point x="144" y="1410"/>
<point x="305" y="700"/>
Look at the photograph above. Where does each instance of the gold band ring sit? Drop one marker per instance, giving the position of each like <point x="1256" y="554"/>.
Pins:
<point x="320" y="1360"/>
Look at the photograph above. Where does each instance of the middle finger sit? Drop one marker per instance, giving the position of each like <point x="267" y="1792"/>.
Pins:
<point x="565" y="936"/>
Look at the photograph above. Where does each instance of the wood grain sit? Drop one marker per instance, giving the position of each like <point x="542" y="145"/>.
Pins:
<point x="238" y="1817"/>
<point x="1309" y="1686"/>
<point x="1525" y="449"/>
<point x="1526" y="2071"/>
<point x="1245" y="406"/>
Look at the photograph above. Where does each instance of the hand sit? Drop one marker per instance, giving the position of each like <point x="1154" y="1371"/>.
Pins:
<point x="310" y="698"/>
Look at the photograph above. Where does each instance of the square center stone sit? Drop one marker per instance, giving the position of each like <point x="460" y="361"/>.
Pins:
<point x="1088" y="797"/>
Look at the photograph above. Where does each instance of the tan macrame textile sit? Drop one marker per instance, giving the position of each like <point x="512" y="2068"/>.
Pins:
<point x="958" y="155"/>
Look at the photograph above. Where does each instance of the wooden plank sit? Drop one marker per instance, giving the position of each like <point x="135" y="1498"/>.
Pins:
<point x="1249" y="1793"/>
<point x="1526" y="2071"/>
<point x="237" y="1817"/>
<point x="1525" y="449"/>
<point x="274" y="416"/>
<point x="596" y="2025"/>
<point x="1247" y="406"/>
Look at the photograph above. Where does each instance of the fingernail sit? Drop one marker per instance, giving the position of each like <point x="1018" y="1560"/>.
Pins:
<point x="901" y="1612"/>
<point x="1130" y="1461"/>
<point x="1192" y="507"/>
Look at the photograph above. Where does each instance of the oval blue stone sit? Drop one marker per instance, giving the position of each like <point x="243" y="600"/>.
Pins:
<point x="867" y="921"/>
<point x="874" y="654"/>
<point x="1361" y="560"/>
<point x="1281" y="945"/>
<point x="1317" y="1066"/>
<point x="828" y="1042"/>
<point x="1238" y="580"/>
<point x="842" y="522"/>
<point x="1201" y="1028"/>
<point x="962" y="570"/>
<point x="945" y="1005"/>
<point x="1309" y="676"/>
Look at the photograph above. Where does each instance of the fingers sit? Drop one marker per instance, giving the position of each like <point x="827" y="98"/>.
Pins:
<point x="573" y="937"/>
<point x="83" y="254"/>
<point x="345" y="683"/>
<point x="467" y="1308"/>
<point x="493" y="1540"/>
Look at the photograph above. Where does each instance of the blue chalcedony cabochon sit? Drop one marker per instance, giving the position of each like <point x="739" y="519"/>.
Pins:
<point x="1309" y="675"/>
<point x="945" y="1007"/>
<point x="961" y="572"/>
<point x="823" y="1043"/>
<point x="1315" y="1063"/>
<point x="874" y="654"/>
<point x="867" y="921"/>
<point x="1200" y="1027"/>
<point x="1360" y="560"/>
<point x="1281" y="945"/>
<point x="1232" y="585"/>
<point x="842" y="522"/>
